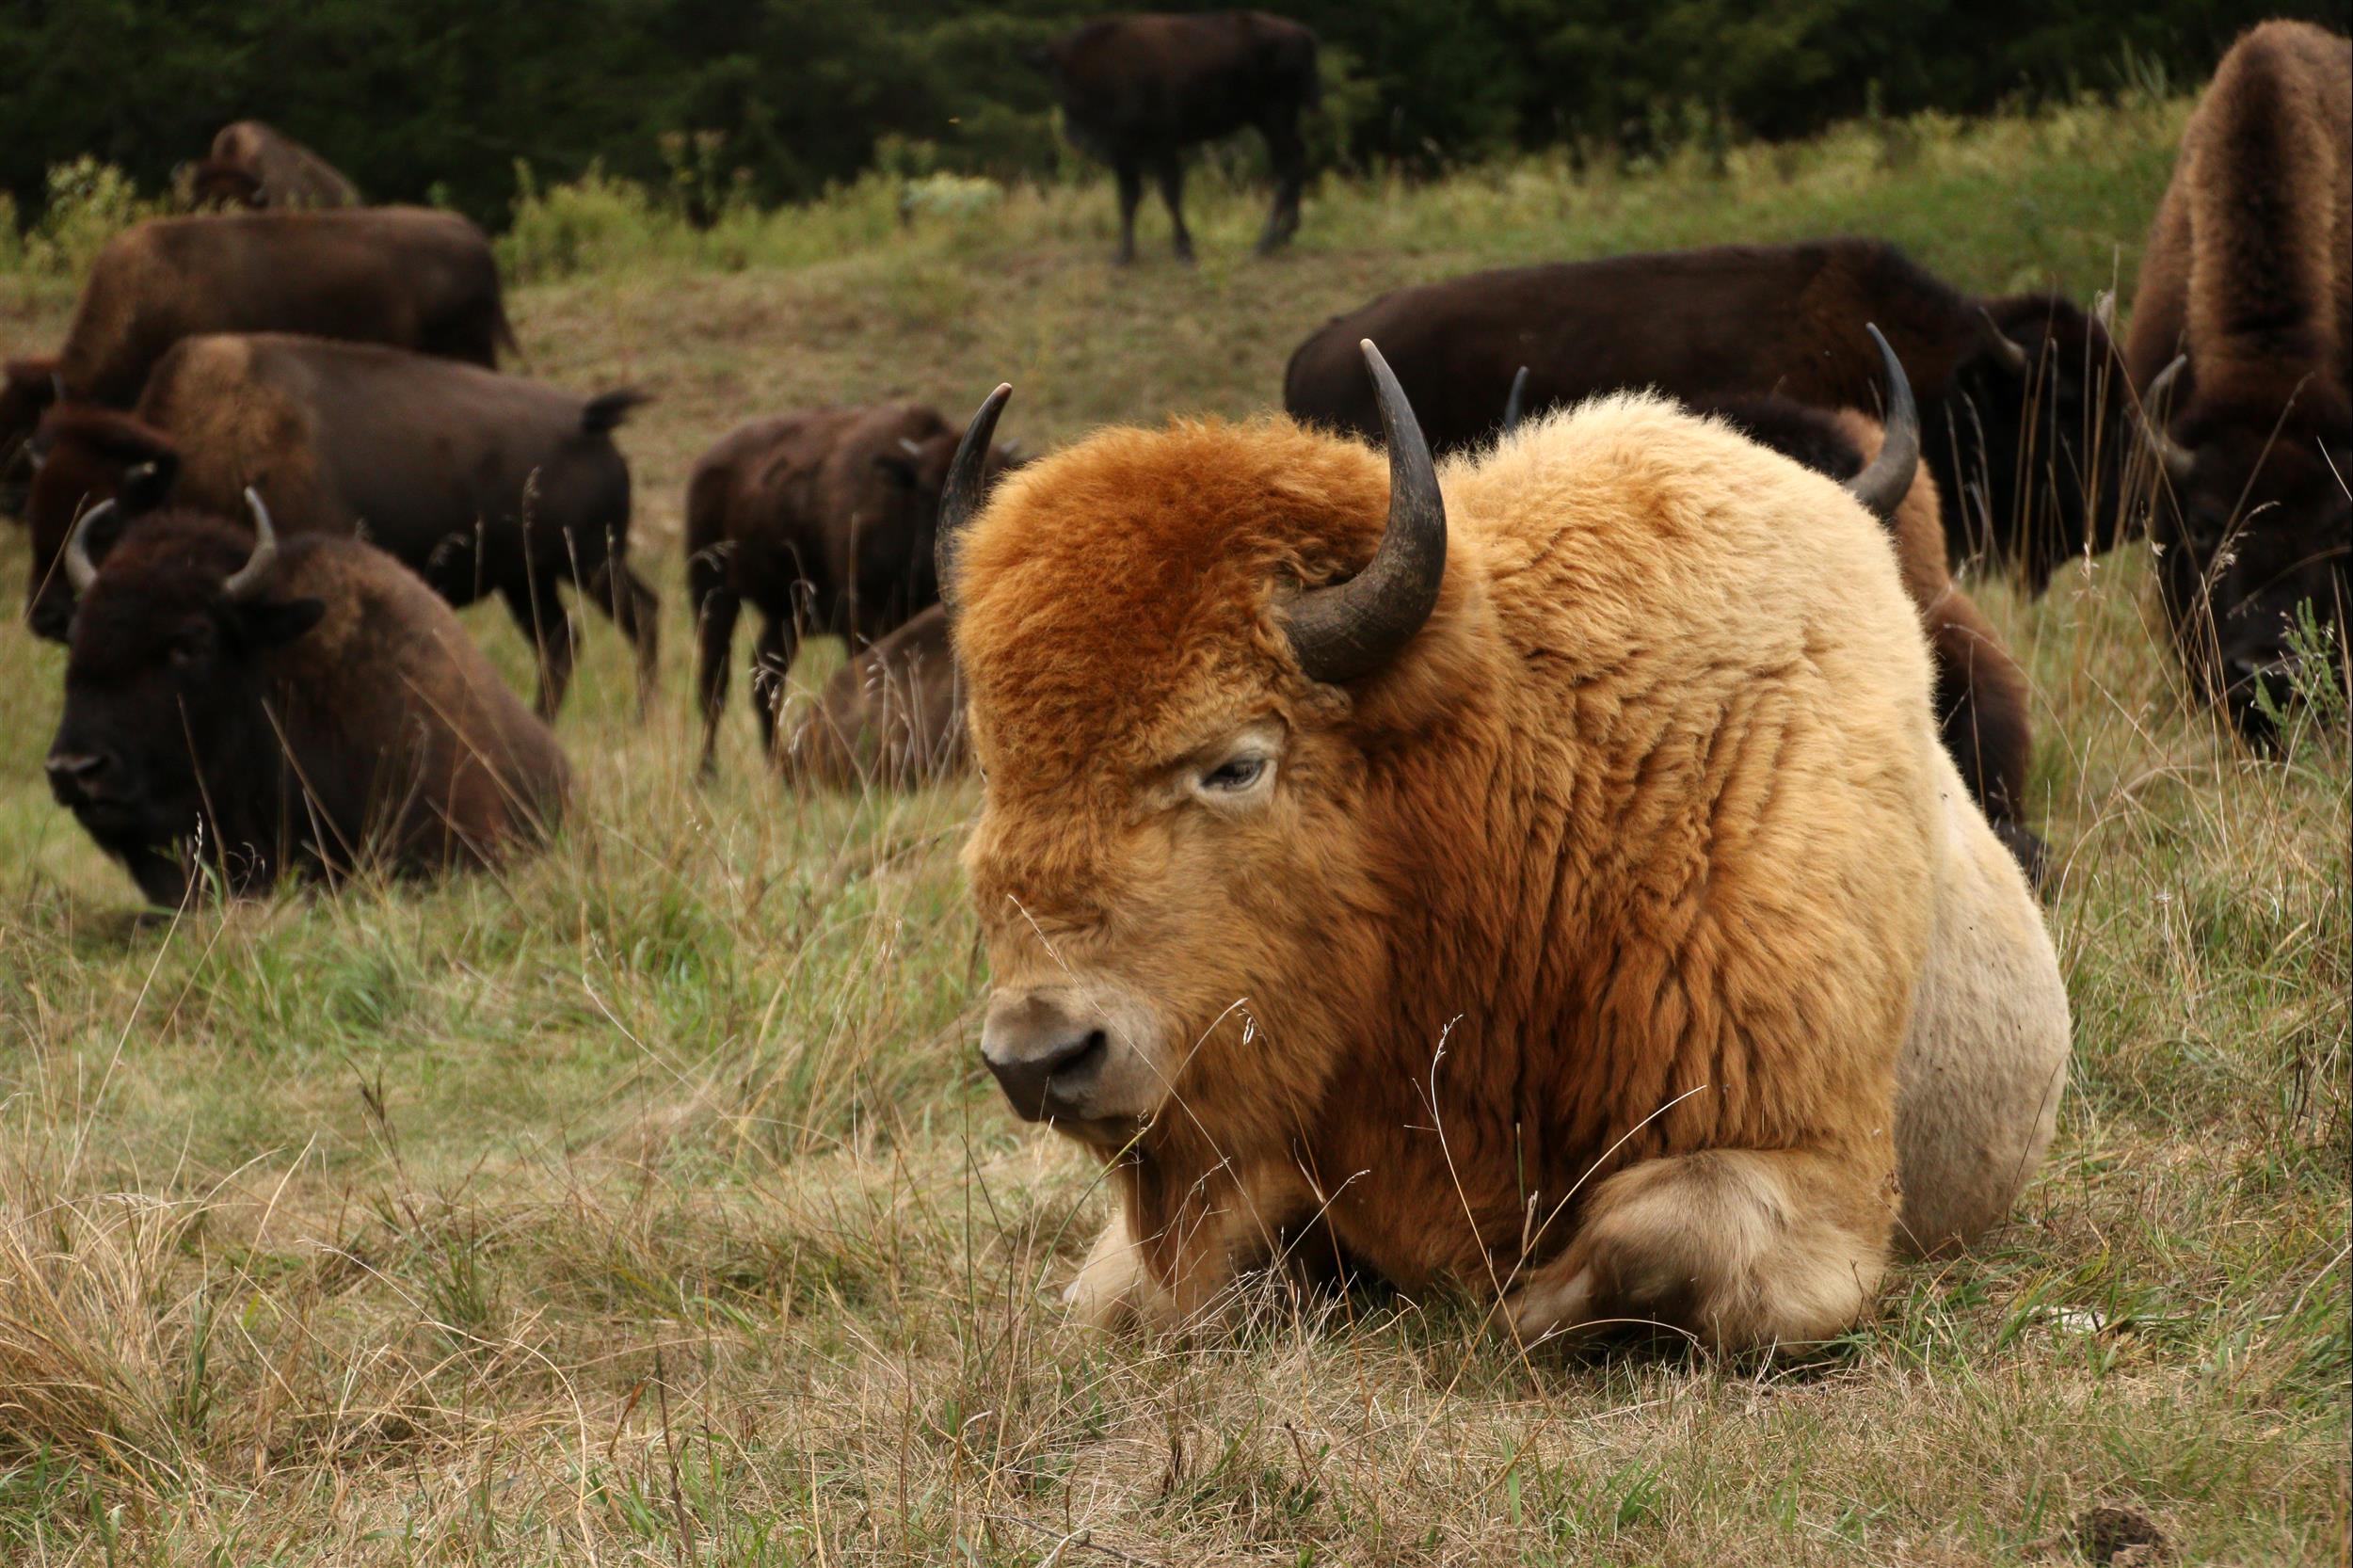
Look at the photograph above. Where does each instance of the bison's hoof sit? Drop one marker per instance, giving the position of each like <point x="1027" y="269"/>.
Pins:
<point x="1545" y="1309"/>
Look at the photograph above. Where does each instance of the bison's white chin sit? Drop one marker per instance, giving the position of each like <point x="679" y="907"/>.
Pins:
<point x="1085" y="1056"/>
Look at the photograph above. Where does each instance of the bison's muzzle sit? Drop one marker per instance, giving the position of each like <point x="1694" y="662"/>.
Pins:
<point x="1049" y="1057"/>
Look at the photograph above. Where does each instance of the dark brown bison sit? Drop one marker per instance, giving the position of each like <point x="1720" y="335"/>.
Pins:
<point x="891" y="717"/>
<point x="824" y="521"/>
<point x="401" y="276"/>
<point x="2249" y="282"/>
<point x="480" y="482"/>
<point x="253" y="164"/>
<point x="2019" y="431"/>
<point x="247" y="707"/>
<point x="1137" y="90"/>
<point x="1540" y="871"/>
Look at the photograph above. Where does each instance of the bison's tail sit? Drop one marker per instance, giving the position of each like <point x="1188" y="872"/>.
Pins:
<point x="604" y="412"/>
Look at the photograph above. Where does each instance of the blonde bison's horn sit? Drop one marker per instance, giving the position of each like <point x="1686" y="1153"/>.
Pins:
<point x="2177" y="459"/>
<point x="1516" y="403"/>
<point x="1883" y="485"/>
<point x="246" y="580"/>
<point x="1354" y="628"/>
<point x="967" y="483"/>
<point x="78" y="569"/>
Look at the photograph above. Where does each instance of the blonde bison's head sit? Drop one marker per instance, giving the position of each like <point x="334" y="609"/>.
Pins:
<point x="1179" y="648"/>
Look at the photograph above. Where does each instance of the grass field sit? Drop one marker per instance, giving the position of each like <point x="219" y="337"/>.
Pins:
<point x="647" y="1204"/>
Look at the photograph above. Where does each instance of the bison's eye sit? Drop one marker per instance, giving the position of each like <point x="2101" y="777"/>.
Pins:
<point x="1236" y="775"/>
<point x="1240" y="777"/>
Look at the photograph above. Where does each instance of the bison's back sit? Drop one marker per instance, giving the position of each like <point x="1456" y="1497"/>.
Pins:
<point x="447" y="767"/>
<point x="1182" y="78"/>
<point x="892" y="716"/>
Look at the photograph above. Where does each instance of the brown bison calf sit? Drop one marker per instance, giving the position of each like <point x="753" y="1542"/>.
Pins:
<point x="2018" y="427"/>
<point x="401" y="276"/>
<point x="2249" y="282"/>
<point x="480" y="482"/>
<point x="253" y="164"/>
<point x="1137" y="90"/>
<point x="825" y="522"/>
<point x="252" y="708"/>
<point x="891" y="717"/>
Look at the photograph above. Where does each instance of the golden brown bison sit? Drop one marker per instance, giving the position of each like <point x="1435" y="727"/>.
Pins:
<point x="1549" y="878"/>
<point x="253" y="164"/>
<point x="480" y="482"/>
<point x="258" y="709"/>
<point x="2249" y="275"/>
<point x="891" y="717"/>
<point x="824" y="521"/>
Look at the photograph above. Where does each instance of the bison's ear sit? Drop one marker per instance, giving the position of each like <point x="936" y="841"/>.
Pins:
<point x="274" y="623"/>
<point x="898" y="470"/>
<point x="147" y="486"/>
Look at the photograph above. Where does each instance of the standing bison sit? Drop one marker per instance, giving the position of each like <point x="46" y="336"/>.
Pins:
<point x="824" y="521"/>
<point x="2249" y="280"/>
<point x="2020" y="433"/>
<point x="401" y="276"/>
<point x="1137" y="90"/>
<point x="480" y="482"/>
<point x="255" y="708"/>
<point x="253" y="164"/>
<point x="1549" y="876"/>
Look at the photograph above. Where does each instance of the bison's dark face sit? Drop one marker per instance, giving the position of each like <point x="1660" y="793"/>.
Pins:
<point x="223" y="185"/>
<point x="913" y="475"/>
<point x="72" y="478"/>
<point x="164" y="714"/>
<point x="2044" y="392"/>
<point x="2254" y="531"/>
<point x="28" y="387"/>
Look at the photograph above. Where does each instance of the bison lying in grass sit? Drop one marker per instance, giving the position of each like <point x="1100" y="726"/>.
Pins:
<point x="250" y="707"/>
<point x="1551" y="879"/>
<point x="891" y="717"/>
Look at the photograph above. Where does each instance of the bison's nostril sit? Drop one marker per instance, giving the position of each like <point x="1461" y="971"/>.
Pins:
<point x="71" y="774"/>
<point x="1047" y="1077"/>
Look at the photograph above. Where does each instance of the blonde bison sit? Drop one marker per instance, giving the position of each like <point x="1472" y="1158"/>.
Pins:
<point x="1549" y="878"/>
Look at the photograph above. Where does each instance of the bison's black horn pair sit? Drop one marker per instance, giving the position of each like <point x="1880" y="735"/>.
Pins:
<point x="1338" y="633"/>
<point x="242" y="584"/>
<point x="1883" y="486"/>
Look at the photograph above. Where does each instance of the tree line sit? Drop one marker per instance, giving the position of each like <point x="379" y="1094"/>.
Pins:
<point x="774" y="99"/>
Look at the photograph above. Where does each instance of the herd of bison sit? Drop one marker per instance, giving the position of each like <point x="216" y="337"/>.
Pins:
<point x="275" y="450"/>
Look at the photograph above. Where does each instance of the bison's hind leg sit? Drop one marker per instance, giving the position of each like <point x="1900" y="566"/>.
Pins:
<point x="538" y="608"/>
<point x="1742" y="1249"/>
<point x="636" y="609"/>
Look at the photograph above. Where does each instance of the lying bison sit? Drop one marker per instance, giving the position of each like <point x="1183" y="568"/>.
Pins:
<point x="824" y="521"/>
<point x="253" y="164"/>
<point x="2021" y="434"/>
<point x="1137" y="90"/>
<point x="891" y="717"/>
<point x="2249" y="275"/>
<point x="480" y="482"/>
<point x="1548" y="878"/>
<point x="252" y="709"/>
<point x="401" y="276"/>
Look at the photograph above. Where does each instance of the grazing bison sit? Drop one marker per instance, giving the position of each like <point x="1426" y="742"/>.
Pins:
<point x="480" y="482"/>
<point x="253" y="164"/>
<point x="401" y="276"/>
<point x="2248" y="275"/>
<point x="1137" y="90"/>
<point x="2020" y="433"/>
<point x="1550" y="878"/>
<point x="255" y="708"/>
<point x="891" y="717"/>
<point x="824" y="521"/>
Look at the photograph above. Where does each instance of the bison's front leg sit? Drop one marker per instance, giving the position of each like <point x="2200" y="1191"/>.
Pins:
<point x="1743" y="1248"/>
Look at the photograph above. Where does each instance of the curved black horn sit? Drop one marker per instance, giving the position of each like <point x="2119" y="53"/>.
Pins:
<point x="246" y="580"/>
<point x="78" y="567"/>
<point x="1883" y="485"/>
<point x="2005" y="348"/>
<point x="1354" y="628"/>
<point x="1514" y="406"/>
<point x="968" y="483"/>
<point x="2177" y="459"/>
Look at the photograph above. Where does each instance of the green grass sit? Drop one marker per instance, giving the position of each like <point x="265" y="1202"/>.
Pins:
<point x="645" y="1204"/>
